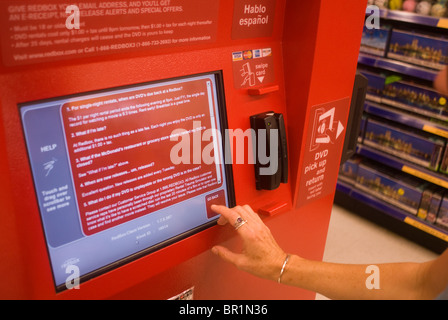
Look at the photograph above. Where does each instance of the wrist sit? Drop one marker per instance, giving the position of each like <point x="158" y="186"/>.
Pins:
<point x="273" y="266"/>
<point x="287" y="276"/>
<point x="282" y="270"/>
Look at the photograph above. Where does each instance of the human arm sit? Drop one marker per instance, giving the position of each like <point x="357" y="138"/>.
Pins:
<point x="441" y="82"/>
<point x="396" y="281"/>
<point x="262" y="256"/>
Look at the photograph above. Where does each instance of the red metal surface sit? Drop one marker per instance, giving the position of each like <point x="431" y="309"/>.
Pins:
<point x="314" y="45"/>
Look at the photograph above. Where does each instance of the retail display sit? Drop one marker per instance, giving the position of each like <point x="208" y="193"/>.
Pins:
<point x="414" y="196"/>
<point x="390" y="186"/>
<point x="409" y="5"/>
<point x="423" y="7"/>
<point x="401" y="166"/>
<point x="418" y="49"/>
<point x="442" y="217"/>
<point x="436" y="8"/>
<point x="381" y="3"/>
<point x="393" y="91"/>
<point x="405" y="144"/>
<point x="396" y="4"/>
<point x="434" y="206"/>
<point x="374" y="41"/>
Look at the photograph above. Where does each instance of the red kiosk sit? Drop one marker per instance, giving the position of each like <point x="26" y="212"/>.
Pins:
<point x="114" y="129"/>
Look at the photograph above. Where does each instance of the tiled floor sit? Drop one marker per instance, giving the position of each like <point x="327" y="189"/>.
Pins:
<point x="352" y="239"/>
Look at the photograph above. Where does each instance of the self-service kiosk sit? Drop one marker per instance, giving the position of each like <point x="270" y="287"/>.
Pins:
<point x="123" y="121"/>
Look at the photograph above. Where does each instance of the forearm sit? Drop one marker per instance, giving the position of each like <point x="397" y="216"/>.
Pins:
<point x="441" y="82"/>
<point x="342" y="281"/>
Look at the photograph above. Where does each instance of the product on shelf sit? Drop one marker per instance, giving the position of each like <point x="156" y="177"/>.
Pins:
<point x="444" y="162"/>
<point x="395" y="4"/>
<point x="349" y="170"/>
<point x="412" y="195"/>
<point x="390" y="186"/>
<point x="375" y="87"/>
<point x="382" y="4"/>
<point x="412" y="97"/>
<point x="409" y="5"/>
<point x="374" y="41"/>
<point x="419" y="49"/>
<point x="430" y="203"/>
<point x="407" y="96"/>
<point x="436" y="8"/>
<point x="442" y="217"/>
<point x="423" y="7"/>
<point x="423" y="209"/>
<point x="439" y="9"/>
<point x="362" y="128"/>
<point x="434" y="206"/>
<point x="421" y="149"/>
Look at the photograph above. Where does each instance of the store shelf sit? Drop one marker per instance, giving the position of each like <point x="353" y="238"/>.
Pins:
<point x="398" y="66"/>
<point x="403" y="165"/>
<point x="392" y="211"/>
<point x="406" y="118"/>
<point x="415" y="18"/>
<point x="399" y="111"/>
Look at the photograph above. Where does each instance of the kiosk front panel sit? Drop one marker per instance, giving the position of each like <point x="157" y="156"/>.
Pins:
<point x="122" y="122"/>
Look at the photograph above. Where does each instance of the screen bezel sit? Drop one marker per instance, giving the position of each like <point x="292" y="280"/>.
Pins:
<point x="228" y="173"/>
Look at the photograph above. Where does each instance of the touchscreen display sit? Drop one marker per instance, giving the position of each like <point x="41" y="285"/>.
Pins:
<point x="122" y="172"/>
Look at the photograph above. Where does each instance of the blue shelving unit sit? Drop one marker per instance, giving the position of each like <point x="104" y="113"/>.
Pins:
<point x="380" y="210"/>
<point x="406" y="118"/>
<point x="397" y="66"/>
<point x="415" y="18"/>
<point x="392" y="211"/>
<point x="403" y="165"/>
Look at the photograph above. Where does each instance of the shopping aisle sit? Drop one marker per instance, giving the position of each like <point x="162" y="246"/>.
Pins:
<point x="352" y="239"/>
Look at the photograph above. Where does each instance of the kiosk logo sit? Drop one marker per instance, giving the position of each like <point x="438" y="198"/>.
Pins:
<point x="324" y="142"/>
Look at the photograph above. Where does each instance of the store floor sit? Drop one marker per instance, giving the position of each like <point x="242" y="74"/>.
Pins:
<point x="352" y="239"/>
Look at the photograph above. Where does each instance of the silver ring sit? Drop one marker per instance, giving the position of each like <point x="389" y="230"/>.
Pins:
<point x="239" y="223"/>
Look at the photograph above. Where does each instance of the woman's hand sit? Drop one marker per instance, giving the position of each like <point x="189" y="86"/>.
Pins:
<point x="261" y="255"/>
